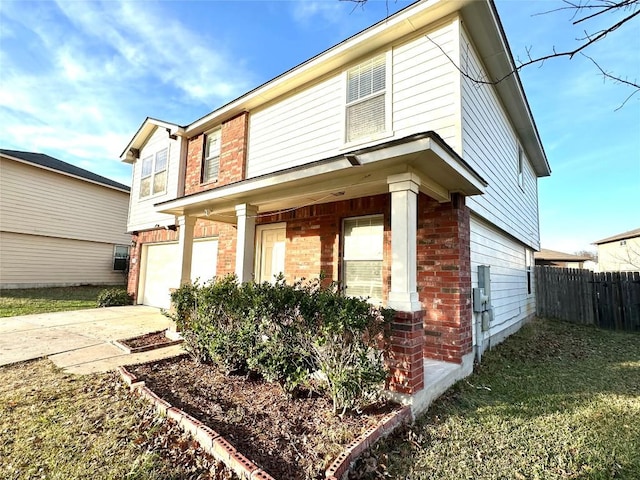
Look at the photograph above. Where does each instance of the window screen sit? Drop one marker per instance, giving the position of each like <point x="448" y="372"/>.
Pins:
<point x="366" y="85"/>
<point x="362" y="260"/>
<point x="211" y="165"/>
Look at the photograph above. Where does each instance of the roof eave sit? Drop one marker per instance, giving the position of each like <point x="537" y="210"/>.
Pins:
<point x="141" y="136"/>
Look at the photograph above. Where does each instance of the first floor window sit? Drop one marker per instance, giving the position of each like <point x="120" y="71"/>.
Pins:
<point x="520" y="167"/>
<point x="529" y="266"/>
<point x="153" y="178"/>
<point x="363" y="240"/>
<point x="120" y="257"/>
<point x="211" y="164"/>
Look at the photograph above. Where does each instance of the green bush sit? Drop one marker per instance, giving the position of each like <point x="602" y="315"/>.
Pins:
<point x="114" y="297"/>
<point x="286" y="333"/>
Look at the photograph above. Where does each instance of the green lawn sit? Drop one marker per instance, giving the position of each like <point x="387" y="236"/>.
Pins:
<point x="44" y="300"/>
<point x="555" y="401"/>
<point x="58" y="426"/>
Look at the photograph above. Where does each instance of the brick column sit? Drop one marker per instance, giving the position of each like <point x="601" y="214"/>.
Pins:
<point x="405" y="356"/>
<point x="245" y="243"/>
<point x="445" y="273"/>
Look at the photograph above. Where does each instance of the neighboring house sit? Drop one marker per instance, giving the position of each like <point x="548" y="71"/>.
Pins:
<point x="376" y="162"/>
<point x="60" y="225"/>
<point x="619" y="253"/>
<point x="552" y="258"/>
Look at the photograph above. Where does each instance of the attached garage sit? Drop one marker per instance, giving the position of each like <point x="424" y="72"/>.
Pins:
<point x="161" y="269"/>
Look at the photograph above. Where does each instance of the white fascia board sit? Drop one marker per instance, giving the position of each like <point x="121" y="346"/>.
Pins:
<point x="143" y="133"/>
<point x="250" y="185"/>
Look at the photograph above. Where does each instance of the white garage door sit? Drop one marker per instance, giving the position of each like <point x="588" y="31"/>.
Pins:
<point x="161" y="269"/>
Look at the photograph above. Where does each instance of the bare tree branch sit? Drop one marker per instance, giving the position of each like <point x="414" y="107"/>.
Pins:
<point x="601" y="7"/>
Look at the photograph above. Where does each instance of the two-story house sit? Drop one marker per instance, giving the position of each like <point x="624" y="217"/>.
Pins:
<point x="380" y="162"/>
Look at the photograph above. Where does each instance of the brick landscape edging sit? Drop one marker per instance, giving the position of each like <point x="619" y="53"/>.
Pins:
<point x="122" y="346"/>
<point x="217" y="446"/>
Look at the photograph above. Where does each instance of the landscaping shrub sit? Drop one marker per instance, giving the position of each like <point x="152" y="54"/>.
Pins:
<point x="114" y="297"/>
<point x="285" y="333"/>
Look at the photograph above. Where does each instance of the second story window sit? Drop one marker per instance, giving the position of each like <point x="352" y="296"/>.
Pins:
<point x="366" y="88"/>
<point x="154" y="174"/>
<point x="211" y="164"/>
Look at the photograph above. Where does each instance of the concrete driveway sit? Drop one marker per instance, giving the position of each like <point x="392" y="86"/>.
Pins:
<point x="80" y="341"/>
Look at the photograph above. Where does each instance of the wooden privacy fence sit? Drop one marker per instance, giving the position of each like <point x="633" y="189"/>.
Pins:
<point x="608" y="299"/>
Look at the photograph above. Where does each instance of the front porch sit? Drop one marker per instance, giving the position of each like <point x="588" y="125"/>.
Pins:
<point x="418" y="188"/>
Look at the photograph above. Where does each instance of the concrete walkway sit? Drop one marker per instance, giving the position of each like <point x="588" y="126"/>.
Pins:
<point x="80" y="341"/>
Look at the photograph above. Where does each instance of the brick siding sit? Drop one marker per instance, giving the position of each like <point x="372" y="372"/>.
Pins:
<point x="233" y="156"/>
<point x="444" y="277"/>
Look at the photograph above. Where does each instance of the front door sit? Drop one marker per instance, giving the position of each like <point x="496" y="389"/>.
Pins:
<point x="270" y="241"/>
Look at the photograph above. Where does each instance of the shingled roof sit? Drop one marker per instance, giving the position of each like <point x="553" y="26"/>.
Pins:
<point x="42" y="160"/>
<point x="621" y="236"/>
<point x="553" y="255"/>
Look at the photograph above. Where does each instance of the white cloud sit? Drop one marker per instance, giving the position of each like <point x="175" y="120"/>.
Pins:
<point x="326" y="10"/>
<point x="79" y="77"/>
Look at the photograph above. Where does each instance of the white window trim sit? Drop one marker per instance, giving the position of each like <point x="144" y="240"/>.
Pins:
<point x="154" y="157"/>
<point x="388" y="105"/>
<point x="343" y="259"/>
<point x="204" y="158"/>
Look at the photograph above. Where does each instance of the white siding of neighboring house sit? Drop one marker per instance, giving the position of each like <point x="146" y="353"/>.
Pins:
<point x="619" y="256"/>
<point x="308" y="125"/>
<point x="142" y="214"/>
<point x="28" y="261"/>
<point x="490" y="146"/>
<point x="507" y="258"/>
<point x="58" y="230"/>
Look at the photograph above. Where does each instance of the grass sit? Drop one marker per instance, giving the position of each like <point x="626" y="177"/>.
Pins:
<point x="44" y="300"/>
<point x="61" y="426"/>
<point x="555" y="401"/>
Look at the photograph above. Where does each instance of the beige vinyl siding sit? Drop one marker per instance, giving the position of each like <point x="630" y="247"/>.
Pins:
<point x="507" y="258"/>
<point x="142" y="213"/>
<point x="425" y="85"/>
<point x="299" y="129"/>
<point x="36" y="201"/>
<point x="39" y="261"/>
<point x="619" y="256"/>
<point x="490" y="146"/>
<point x="308" y="125"/>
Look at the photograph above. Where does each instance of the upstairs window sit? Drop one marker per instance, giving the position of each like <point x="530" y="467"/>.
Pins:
<point x="366" y="102"/>
<point x="362" y="257"/>
<point x="154" y="174"/>
<point x="211" y="163"/>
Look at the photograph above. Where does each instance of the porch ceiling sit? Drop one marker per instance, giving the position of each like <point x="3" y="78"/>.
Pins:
<point x="441" y="170"/>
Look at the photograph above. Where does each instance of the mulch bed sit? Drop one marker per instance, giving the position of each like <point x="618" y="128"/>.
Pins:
<point x="150" y="339"/>
<point x="290" y="438"/>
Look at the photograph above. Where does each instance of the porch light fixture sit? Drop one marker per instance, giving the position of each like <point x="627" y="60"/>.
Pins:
<point x="353" y="159"/>
<point x="133" y="244"/>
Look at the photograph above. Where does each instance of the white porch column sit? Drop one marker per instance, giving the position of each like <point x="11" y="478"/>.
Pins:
<point x="404" y="189"/>
<point x="185" y="246"/>
<point x="245" y="244"/>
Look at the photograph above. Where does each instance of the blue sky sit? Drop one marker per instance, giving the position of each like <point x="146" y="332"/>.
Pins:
<point x="78" y="78"/>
